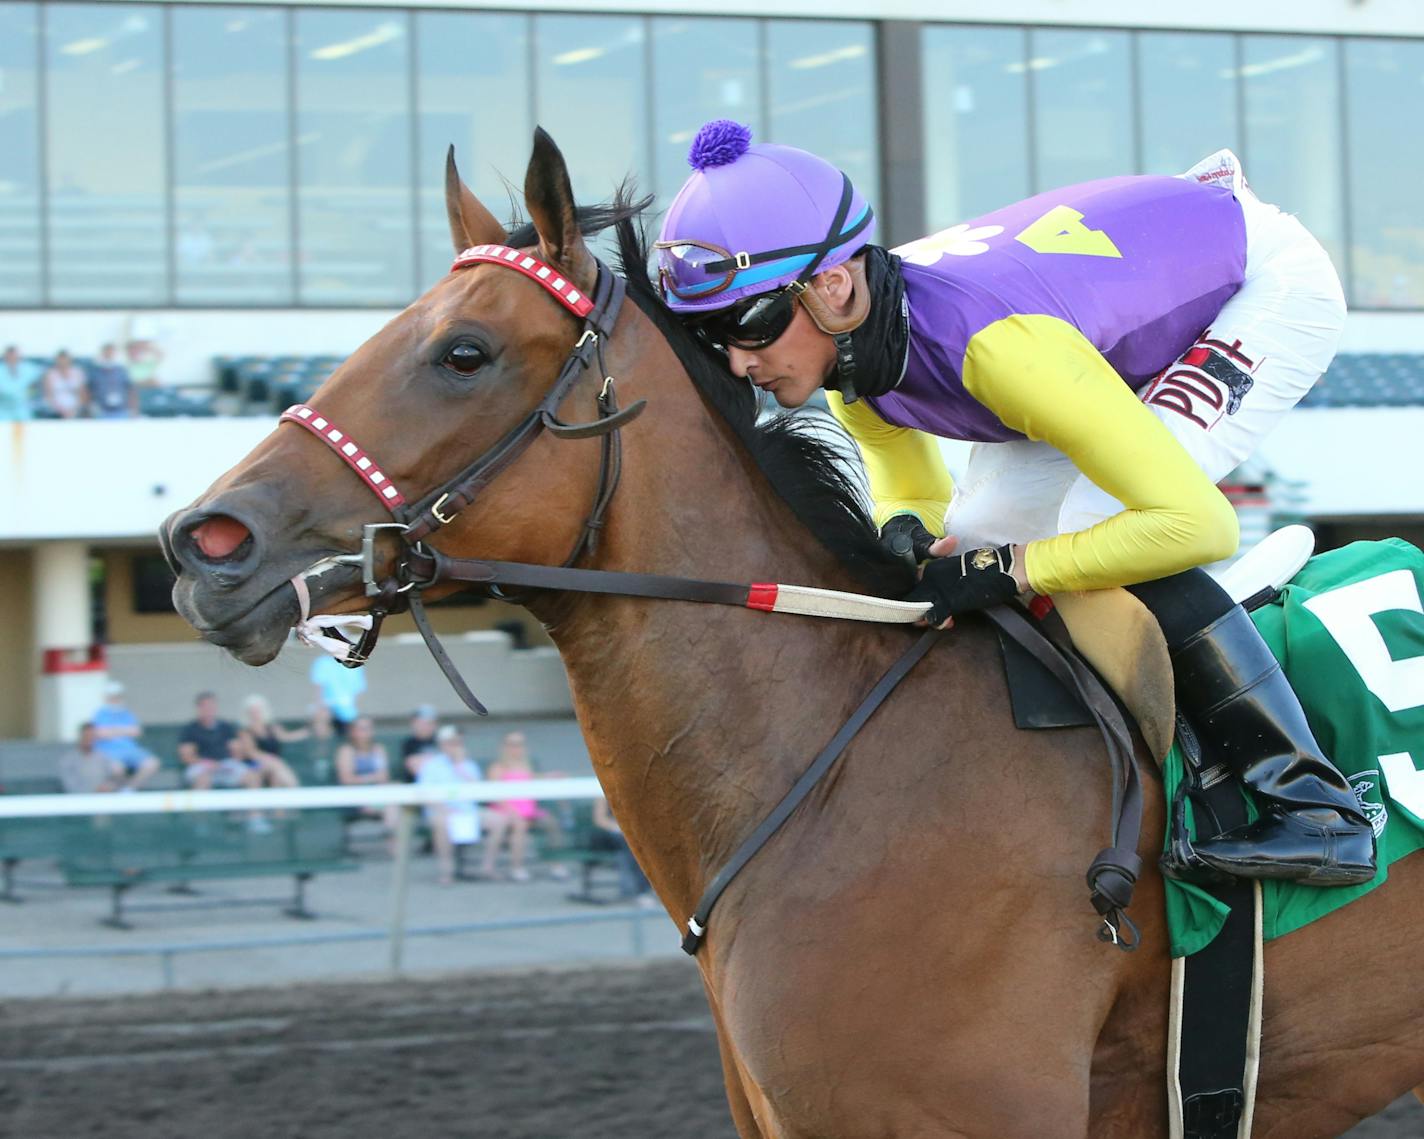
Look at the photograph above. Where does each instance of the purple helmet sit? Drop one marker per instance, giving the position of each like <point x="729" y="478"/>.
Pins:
<point x="752" y="219"/>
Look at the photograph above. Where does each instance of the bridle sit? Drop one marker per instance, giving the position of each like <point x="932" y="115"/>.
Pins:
<point x="413" y="522"/>
<point x="1113" y="873"/>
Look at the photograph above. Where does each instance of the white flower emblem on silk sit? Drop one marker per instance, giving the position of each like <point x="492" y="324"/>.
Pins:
<point x="956" y="241"/>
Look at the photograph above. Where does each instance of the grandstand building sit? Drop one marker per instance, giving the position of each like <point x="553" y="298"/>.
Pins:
<point x="256" y="189"/>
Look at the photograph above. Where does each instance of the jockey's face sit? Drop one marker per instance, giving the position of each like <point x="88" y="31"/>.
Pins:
<point x="793" y="365"/>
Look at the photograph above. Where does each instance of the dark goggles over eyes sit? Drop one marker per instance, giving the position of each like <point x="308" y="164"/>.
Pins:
<point x="751" y="323"/>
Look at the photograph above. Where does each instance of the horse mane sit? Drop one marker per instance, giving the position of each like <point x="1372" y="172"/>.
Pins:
<point x="804" y="470"/>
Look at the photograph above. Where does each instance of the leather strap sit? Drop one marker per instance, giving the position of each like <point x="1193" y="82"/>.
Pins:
<point x="1114" y="872"/>
<point x="697" y="924"/>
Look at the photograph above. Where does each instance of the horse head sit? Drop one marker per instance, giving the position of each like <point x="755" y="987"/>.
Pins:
<point x="446" y="380"/>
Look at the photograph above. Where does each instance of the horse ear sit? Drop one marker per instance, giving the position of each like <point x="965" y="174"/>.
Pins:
<point x="470" y="223"/>
<point x="549" y="198"/>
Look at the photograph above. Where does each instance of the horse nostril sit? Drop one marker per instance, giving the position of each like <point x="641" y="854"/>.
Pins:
<point x="217" y="537"/>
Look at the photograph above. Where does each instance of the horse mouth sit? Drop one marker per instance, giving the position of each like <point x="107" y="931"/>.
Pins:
<point x="255" y="634"/>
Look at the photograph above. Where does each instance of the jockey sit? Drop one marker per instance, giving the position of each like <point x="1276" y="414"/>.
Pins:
<point x="1113" y="349"/>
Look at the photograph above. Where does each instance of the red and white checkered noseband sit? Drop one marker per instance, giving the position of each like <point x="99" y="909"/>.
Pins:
<point x="349" y="452"/>
<point x="531" y="267"/>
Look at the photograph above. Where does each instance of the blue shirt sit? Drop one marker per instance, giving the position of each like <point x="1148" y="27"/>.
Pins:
<point x="122" y="748"/>
<point x="15" y="387"/>
<point x="339" y="686"/>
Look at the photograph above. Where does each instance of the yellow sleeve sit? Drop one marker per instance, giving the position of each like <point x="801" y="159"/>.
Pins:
<point x="1041" y="376"/>
<point x="905" y="468"/>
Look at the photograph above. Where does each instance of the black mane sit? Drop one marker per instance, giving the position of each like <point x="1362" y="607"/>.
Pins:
<point x="806" y="472"/>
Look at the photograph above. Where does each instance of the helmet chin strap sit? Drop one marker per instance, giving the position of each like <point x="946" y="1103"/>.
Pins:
<point x="839" y="326"/>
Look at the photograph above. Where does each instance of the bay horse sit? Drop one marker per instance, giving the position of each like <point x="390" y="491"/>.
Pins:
<point x="911" y="955"/>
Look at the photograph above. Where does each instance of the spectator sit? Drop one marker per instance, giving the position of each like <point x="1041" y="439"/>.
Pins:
<point x="267" y="734"/>
<point x="361" y="760"/>
<point x="420" y="743"/>
<point x="451" y="824"/>
<point x="271" y="770"/>
<point x="112" y="393"/>
<point x="85" y="770"/>
<point x="608" y="835"/>
<point x="17" y="377"/>
<point x="116" y="734"/>
<point x="65" y="388"/>
<point x="144" y="356"/>
<point x="337" y="688"/>
<point x="204" y="752"/>
<point x="513" y="763"/>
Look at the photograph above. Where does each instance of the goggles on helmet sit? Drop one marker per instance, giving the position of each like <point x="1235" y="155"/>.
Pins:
<point x="691" y="270"/>
<point x="751" y="323"/>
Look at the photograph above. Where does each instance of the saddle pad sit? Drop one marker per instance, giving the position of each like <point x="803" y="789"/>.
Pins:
<point x="1119" y="637"/>
<point x="1349" y="633"/>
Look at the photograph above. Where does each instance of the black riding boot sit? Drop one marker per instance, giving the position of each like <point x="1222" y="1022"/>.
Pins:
<point x="1311" y="827"/>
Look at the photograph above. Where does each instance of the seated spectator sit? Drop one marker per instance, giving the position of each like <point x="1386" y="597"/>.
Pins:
<point x="271" y="770"/>
<point x="267" y="734"/>
<point x="112" y="394"/>
<point x="451" y="824"/>
<point x="144" y="356"/>
<point x="608" y="835"/>
<point x="420" y="743"/>
<point x="203" y="750"/>
<point x="66" y="388"/>
<point x="361" y="760"/>
<point x="513" y="764"/>
<point x="17" y="378"/>
<point x="85" y="770"/>
<point x="337" y="688"/>
<point x="116" y="735"/>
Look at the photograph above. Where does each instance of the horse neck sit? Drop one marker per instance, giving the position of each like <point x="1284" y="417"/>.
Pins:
<point x="699" y="717"/>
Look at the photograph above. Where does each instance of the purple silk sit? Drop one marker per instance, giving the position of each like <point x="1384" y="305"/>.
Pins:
<point x="1183" y="255"/>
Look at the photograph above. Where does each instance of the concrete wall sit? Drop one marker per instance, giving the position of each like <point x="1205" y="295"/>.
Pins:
<point x="163" y="679"/>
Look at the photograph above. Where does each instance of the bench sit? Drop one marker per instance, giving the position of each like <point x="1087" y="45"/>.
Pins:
<point x="580" y="847"/>
<point x="124" y="851"/>
<point x="22" y="839"/>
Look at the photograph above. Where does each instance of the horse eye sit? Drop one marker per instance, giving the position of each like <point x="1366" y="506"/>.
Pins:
<point x="465" y="359"/>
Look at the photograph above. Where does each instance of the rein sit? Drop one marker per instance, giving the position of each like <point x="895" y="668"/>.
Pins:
<point x="1112" y="874"/>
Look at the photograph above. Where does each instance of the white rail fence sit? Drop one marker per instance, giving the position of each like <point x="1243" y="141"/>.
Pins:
<point x="406" y="797"/>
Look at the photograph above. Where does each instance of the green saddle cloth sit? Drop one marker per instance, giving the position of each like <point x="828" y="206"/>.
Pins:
<point x="1349" y="632"/>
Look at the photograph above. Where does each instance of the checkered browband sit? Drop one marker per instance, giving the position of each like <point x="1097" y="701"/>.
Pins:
<point x="538" y="272"/>
<point x="347" y="450"/>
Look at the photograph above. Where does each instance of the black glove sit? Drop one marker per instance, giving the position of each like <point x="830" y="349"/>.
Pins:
<point x="960" y="584"/>
<point x="906" y="537"/>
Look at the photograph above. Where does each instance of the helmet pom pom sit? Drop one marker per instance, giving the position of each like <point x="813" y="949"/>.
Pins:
<point x="719" y="143"/>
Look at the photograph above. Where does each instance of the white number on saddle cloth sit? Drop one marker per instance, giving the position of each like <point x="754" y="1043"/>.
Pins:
<point x="1347" y="615"/>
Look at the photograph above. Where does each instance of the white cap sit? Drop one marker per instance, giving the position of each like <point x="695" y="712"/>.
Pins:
<point x="113" y="688"/>
<point x="448" y="732"/>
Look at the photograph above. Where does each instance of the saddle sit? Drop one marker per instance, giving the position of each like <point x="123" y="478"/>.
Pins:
<point x="1118" y="636"/>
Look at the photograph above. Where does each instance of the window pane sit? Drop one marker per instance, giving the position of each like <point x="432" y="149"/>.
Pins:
<point x="19" y="143"/>
<point x="976" y="122"/>
<point x="591" y="98"/>
<point x="1188" y="98"/>
<point x="1386" y="104"/>
<point x="473" y="92"/>
<point x="1293" y="155"/>
<point x="106" y="154"/>
<point x="1082" y="106"/>
<point x="821" y="82"/>
<point x="703" y="69"/>
<point x="353" y="157"/>
<point x="231" y="158"/>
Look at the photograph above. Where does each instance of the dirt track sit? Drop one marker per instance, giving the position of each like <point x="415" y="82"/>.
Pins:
<point x="621" y="1053"/>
